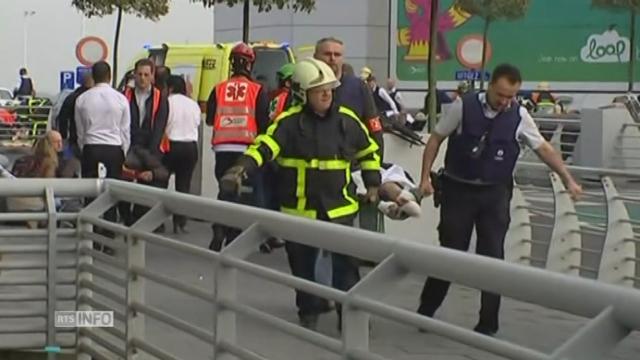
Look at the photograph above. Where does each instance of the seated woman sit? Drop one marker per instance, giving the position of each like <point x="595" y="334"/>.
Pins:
<point x="399" y="196"/>
<point x="42" y="163"/>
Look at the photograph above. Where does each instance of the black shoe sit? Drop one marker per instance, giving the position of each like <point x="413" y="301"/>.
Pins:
<point x="485" y="330"/>
<point x="216" y="244"/>
<point x="309" y="321"/>
<point x="179" y="228"/>
<point x="423" y="312"/>
<point x="108" y="250"/>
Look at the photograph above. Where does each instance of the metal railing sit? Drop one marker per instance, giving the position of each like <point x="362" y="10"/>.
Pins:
<point x="626" y="153"/>
<point x="118" y="283"/>
<point x="21" y="125"/>
<point x="561" y="132"/>
<point x="597" y="237"/>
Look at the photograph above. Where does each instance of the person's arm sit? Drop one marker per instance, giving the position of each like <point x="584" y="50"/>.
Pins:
<point x="211" y="107"/>
<point x="160" y="125"/>
<point x="529" y="133"/>
<point x="125" y="125"/>
<point x="445" y="127"/>
<point x="65" y="116"/>
<point x="400" y="101"/>
<point x="80" y="126"/>
<point x="266" y="147"/>
<point x="371" y="119"/>
<point x="262" y="111"/>
<point x="366" y="151"/>
<point x="387" y="98"/>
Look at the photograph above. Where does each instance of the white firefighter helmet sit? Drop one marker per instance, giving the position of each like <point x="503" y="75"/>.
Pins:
<point x="311" y="73"/>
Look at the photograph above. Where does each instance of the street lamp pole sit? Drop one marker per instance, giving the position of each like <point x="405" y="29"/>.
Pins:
<point x="25" y="36"/>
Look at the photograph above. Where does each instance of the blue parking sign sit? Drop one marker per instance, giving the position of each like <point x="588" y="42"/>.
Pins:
<point x="81" y="72"/>
<point x="67" y="80"/>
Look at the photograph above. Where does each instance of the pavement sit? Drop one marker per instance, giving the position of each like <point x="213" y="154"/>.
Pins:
<point x="522" y="323"/>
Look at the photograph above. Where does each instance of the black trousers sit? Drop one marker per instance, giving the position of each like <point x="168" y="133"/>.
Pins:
<point x="112" y="157"/>
<point x="463" y="207"/>
<point x="302" y="261"/>
<point x="181" y="160"/>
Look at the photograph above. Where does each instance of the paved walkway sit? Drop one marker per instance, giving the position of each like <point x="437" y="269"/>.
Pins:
<point x="522" y="323"/>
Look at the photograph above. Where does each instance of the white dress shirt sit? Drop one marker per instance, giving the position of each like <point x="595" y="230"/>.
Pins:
<point x="141" y="101"/>
<point x="527" y="131"/>
<point x="184" y="118"/>
<point x="387" y="98"/>
<point x="103" y="118"/>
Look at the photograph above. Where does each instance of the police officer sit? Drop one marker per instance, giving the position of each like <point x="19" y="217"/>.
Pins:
<point x="238" y="110"/>
<point x="485" y="131"/>
<point x="314" y="145"/>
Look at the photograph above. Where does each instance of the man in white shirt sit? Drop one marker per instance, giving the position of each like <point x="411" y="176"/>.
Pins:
<point x="103" y="125"/>
<point x="182" y="131"/>
<point x="384" y="102"/>
<point x="485" y="131"/>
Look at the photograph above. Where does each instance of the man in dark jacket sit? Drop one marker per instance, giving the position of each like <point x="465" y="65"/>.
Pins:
<point x="314" y="145"/>
<point x="149" y="113"/>
<point x="352" y="92"/>
<point x="66" y="118"/>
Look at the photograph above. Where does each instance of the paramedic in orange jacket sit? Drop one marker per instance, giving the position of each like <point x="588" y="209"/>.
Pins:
<point x="238" y="110"/>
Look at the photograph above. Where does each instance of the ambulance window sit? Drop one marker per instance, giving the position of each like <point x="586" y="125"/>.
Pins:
<point x="268" y="62"/>
<point x="158" y="56"/>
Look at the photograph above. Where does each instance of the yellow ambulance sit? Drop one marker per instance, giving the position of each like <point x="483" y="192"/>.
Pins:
<point x="205" y="65"/>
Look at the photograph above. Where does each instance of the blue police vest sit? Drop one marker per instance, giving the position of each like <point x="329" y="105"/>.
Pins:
<point x="350" y="94"/>
<point x="496" y="162"/>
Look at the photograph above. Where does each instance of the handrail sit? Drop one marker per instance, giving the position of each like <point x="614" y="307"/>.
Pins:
<point x="583" y="170"/>
<point x="609" y="306"/>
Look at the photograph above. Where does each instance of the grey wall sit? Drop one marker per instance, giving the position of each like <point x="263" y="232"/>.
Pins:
<point x="361" y="24"/>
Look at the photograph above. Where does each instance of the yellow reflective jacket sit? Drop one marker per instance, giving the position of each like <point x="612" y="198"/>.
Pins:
<point x="315" y="156"/>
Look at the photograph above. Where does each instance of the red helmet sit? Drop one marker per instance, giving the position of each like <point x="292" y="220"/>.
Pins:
<point x="244" y="51"/>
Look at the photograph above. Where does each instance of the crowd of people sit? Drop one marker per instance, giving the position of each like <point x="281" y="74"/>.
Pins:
<point x="312" y="148"/>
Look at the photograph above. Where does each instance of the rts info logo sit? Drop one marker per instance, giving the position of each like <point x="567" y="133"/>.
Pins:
<point x="73" y="319"/>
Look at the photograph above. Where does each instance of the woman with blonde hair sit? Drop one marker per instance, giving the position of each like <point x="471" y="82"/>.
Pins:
<point x="42" y="163"/>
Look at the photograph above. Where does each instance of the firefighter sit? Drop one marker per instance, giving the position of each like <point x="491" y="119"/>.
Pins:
<point x="238" y="110"/>
<point x="314" y="144"/>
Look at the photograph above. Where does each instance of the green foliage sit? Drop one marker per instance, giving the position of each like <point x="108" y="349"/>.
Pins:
<point x="266" y="5"/>
<point x="148" y="9"/>
<point x="491" y="10"/>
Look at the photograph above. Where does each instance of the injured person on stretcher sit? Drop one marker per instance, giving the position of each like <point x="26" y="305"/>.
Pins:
<point x="399" y="196"/>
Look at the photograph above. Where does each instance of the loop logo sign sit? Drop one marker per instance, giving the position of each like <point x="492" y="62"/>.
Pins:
<point x="608" y="47"/>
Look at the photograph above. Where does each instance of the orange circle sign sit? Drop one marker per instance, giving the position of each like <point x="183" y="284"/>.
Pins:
<point x="90" y="50"/>
<point x="469" y="51"/>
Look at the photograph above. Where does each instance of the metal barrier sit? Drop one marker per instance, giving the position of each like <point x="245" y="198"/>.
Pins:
<point x="563" y="134"/>
<point x="613" y="309"/>
<point x="22" y="125"/>
<point x="626" y="153"/>
<point x="597" y="237"/>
